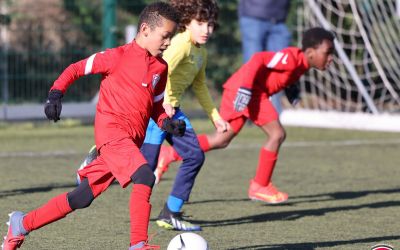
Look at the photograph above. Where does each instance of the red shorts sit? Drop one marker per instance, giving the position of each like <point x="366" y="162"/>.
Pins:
<point x="260" y="111"/>
<point x="118" y="159"/>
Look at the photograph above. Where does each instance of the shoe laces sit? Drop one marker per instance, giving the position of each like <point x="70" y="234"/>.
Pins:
<point x="180" y="215"/>
<point x="10" y="239"/>
<point x="271" y="188"/>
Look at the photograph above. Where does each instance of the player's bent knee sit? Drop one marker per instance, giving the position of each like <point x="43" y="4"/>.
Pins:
<point x="80" y="197"/>
<point x="279" y="136"/>
<point x="282" y="136"/>
<point x="144" y="175"/>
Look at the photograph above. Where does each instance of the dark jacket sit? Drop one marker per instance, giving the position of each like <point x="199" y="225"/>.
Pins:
<point x="270" y="10"/>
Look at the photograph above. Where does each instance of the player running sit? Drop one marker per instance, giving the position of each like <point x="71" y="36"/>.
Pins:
<point x="132" y="88"/>
<point x="246" y="96"/>
<point x="187" y="59"/>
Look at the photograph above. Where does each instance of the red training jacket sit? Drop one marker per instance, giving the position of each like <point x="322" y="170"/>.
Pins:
<point x="266" y="73"/>
<point x="131" y="91"/>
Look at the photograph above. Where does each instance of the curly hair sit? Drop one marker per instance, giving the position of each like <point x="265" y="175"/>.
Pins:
<point x="200" y="10"/>
<point x="152" y="14"/>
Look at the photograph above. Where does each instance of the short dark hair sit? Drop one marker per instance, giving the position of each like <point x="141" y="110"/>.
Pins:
<point x="315" y="36"/>
<point x="152" y="14"/>
<point x="201" y="10"/>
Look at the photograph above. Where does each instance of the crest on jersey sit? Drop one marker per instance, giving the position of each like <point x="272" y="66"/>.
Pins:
<point x="155" y="80"/>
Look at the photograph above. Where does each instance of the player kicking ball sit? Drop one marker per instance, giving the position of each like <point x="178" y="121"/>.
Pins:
<point x="131" y="92"/>
<point x="187" y="60"/>
<point x="246" y="97"/>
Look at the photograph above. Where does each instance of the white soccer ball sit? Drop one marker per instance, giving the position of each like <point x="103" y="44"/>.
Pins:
<point x="188" y="241"/>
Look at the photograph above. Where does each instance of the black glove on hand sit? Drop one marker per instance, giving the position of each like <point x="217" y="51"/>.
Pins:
<point x="175" y="127"/>
<point x="293" y="94"/>
<point x="52" y="107"/>
<point x="242" y="99"/>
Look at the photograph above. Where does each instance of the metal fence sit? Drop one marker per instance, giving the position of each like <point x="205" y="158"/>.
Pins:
<point x="40" y="38"/>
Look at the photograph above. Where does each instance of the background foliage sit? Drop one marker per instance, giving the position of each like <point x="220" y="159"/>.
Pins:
<point x="56" y="33"/>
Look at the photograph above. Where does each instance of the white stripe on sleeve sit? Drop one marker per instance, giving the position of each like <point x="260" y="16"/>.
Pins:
<point x="89" y="64"/>
<point x="274" y="61"/>
<point x="158" y="97"/>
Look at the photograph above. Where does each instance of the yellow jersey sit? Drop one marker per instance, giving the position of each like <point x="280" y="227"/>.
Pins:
<point x="187" y="67"/>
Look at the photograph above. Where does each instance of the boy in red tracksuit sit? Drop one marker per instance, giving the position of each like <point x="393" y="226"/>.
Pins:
<point x="246" y="96"/>
<point x="132" y="88"/>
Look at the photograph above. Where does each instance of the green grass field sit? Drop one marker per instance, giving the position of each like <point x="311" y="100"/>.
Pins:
<point x="344" y="191"/>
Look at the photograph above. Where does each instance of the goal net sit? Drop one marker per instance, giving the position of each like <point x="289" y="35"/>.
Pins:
<point x="361" y="88"/>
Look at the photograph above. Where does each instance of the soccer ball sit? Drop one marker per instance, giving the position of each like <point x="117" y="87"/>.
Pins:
<point x="188" y="241"/>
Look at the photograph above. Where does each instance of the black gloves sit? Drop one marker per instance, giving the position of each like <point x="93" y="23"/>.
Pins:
<point x="52" y="107"/>
<point x="175" y="127"/>
<point x="293" y="94"/>
<point x="242" y="98"/>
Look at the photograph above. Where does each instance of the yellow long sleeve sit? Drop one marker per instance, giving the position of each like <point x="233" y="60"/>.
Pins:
<point x="186" y="67"/>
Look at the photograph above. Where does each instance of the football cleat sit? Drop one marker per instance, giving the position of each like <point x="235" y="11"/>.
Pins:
<point x="92" y="155"/>
<point x="269" y="194"/>
<point x="166" y="157"/>
<point x="15" y="234"/>
<point x="174" y="221"/>
<point x="144" y="246"/>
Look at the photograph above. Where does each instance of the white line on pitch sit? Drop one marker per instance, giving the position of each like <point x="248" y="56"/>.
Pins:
<point x="322" y="143"/>
<point x="232" y="146"/>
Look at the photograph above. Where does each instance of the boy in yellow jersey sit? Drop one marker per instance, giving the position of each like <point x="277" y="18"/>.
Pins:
<point x="187" y="59"/>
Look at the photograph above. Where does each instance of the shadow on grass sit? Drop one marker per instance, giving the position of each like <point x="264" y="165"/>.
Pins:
<point x="292" y="214"/>
<point x="315" y="197"/>
<point x="344" y="195"/>
<point x="22" y="191"/>
<point x="313" y="245"/>
<point x="47" y="188"/>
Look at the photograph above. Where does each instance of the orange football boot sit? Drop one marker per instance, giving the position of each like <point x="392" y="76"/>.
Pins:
<point x="268" y="194"/>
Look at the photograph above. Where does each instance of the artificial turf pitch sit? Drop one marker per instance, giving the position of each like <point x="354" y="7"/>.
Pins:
<point x="344" y="190"/>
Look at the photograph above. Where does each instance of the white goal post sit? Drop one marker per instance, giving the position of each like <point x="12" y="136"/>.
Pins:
<point x="361" y="88"/>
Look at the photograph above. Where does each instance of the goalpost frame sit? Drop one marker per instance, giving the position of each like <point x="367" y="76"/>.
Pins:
<point x="375" y="120"/>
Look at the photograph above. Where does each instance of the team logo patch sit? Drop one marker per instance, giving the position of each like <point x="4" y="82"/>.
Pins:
<point x="155" y="80"/>
<point x="382" y="247"/>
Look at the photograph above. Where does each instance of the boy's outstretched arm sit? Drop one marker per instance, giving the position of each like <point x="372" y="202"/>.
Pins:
<point x="98" y="63"/>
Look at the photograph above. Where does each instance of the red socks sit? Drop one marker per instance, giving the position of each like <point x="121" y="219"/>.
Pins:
<point x="58" y="208"/>
<point x="265" y="167"/>
<point x="204" y="144"/>
<point x="170" y="153"/>
<point x="139" y="209"/>
<point x="53" y="210"/>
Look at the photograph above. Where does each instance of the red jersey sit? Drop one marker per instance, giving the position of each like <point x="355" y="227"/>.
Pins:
<point x="131" y="91"/>
<point x="266" y="73"/>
